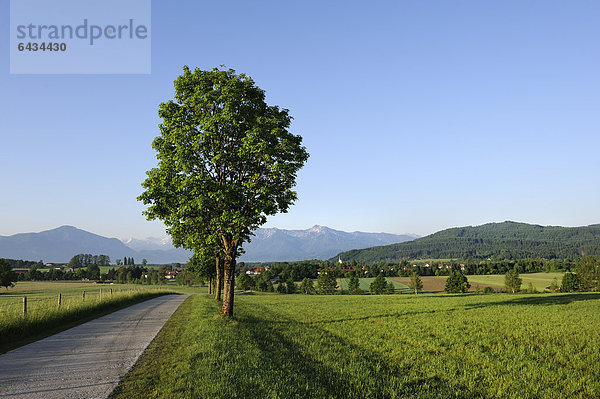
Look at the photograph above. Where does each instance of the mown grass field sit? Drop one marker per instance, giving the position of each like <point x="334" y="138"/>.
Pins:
<point x="540" y="281"/>
<point x="435" y="284"/>
<point x="44" y="317"/>
<point x="388" y="346"/>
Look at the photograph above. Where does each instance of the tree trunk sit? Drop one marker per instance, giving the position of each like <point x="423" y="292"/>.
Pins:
<point x="210" y="285"/>
<point x="229" y="277"/>
<point x="218" y="283"/>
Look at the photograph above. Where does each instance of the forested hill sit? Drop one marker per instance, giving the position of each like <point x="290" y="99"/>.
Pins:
<point x="498" y="241"/>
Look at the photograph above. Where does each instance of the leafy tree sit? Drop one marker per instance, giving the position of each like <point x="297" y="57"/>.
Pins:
<point x="118" y="262"/>
<point x="326" y="283"/>
<point x="456" y="282"/>
<point x="226" y="161"/>
<point x="93" y="272"/>
<point x="307" y="286"/>
<point x="512" y="281"/>
<point x="415" y="284"/>
<point x="588" y="273"/>
<point x="144" y="262"/>
<point x="390" y="288"/>
<point x="570" y="283"/>
<point x="34" y="274"/>
<point x="281" y="288"/>
<point x="153" y="277"/>
<point x="291" y="286"/>
<point x="377" y="287"/>
<point x="245" y="282"/>
<point x="185" y="278"/>
<point x="532" y="290"/>
<point x="202" y="264"/>
<point x="75" y="262"/>
<point x="7" y="276"/>
<point x="354" y="285"/>
<point x="488" y="290"/>
<point x="554" y="287"/>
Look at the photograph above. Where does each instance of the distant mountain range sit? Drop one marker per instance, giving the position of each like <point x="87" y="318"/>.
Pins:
<point x="498" y="241"/>
<point x="269" y="244"/>
<point x="318" y="242"/>
<point x="60" y="244"/>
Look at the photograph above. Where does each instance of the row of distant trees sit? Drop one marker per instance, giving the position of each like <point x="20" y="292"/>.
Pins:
<point x="326" y="285"/>
<point x="585" y="277"/>
<point x="85" y="260"/>
<point x="299" y="270"/>
<point x="85" y="267"/>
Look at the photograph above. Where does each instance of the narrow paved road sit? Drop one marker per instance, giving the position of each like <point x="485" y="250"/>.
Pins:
<point x="86" y="361"/>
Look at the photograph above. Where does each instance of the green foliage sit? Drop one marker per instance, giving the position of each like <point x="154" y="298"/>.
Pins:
<point x="7" y="276"/>
<point x="531" y="289"/>
<point x="512" y="281"/>
<point x="354" y="285"/>
<point x="588" y="272"/>
<point x="570" y="283"/>
<point x="203" y="265"/>
<point x="488" y="290"/>
<point x="397" y="346"/>
<point x="226" y="161"/>
<point x="378" y="285"/>
<point x="499" y="241"/>
<point x="415" y="285"/>
<point x="281" y="288"/>
<point x="456" y="283"/>
<point x="307" y="287"/>
<point x="84" y="260"/>
<point x="389" y="288"/>
<point x="244" y="282"/>
<point x="326" y="284"/>
<point x="554" y="287"/>
<point x="290" y="286"/>
<point x="93" y="272"/>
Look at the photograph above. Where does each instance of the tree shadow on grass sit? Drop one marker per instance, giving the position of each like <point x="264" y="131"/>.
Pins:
<point x="320" y="364"/>
<point x="545" y="300"/>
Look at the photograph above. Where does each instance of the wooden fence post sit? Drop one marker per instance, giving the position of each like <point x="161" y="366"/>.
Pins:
<point x="111" y="292"/>
<point x="83" y="296"/>
<point x="24" y="306"/>
<point x="101" y="294"/>
<point x="59" y="299"/>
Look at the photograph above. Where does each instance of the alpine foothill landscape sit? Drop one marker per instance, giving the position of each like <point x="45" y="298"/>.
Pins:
<point x="162" y="165"/>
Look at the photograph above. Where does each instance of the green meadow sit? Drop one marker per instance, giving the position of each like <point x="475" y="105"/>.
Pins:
<point x="540" y="281"/>
<point x="387" y="346"/>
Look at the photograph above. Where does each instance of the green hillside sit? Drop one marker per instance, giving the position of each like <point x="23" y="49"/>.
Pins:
<point x="498" y="241"/>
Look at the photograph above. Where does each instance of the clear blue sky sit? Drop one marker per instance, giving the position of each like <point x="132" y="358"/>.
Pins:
<point x="418" y="115"/>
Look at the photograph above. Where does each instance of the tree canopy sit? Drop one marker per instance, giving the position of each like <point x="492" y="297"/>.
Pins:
<point x="7" y="276"/>
<point x="456" y="283"/>
<point x="226" y="161"/>
<point x="512" y="281"/>
<point x="415" y="284"/>
<point x="588" y="272"/>
<point x="378" y="286"/>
